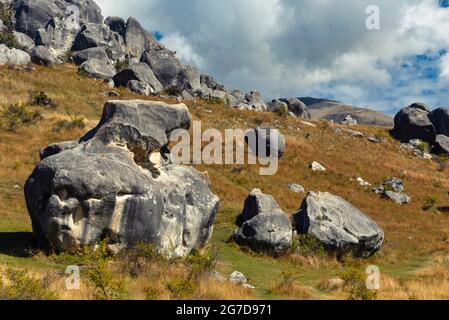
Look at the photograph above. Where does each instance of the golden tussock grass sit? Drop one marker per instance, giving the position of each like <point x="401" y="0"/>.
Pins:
<point x="415" y="239"/>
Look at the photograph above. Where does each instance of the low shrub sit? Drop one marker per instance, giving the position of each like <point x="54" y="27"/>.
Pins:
<point x="41" y="99"/>
<point x="430" y="203"/>
<point x="16" y="116"/>
<point x="73" y="123"/>
<point x="307" y="245"/>
<point x="18" y="285"/>
<point x="355" y="284"/>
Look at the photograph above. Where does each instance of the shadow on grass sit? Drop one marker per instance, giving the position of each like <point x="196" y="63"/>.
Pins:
<point x="17" y="244"/>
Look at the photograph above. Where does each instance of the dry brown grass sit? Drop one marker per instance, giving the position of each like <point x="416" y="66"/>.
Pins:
<point x="411" y="234"/>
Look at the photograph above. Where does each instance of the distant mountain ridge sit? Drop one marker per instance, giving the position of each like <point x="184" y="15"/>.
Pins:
<point x="337" y="111"/>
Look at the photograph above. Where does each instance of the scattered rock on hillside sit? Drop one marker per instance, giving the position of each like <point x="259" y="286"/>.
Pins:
<point x="315" y="166"/>
<point x="13" y="57"/>
<point x="105" y="186"/>
<point x="41" y="55"/>
<point x="413" y="123"/>
<point x="338" y="225"/>
<point x="398" y="197"/>
<point x="238" y="278"/>
<point x="441" y="144"/>
<point x="296" y="188"/>
<point x="265" y="228"/>
<point x="362" y="182"/>
<point x="266" y="142"/>
<point x="392" y="184"/>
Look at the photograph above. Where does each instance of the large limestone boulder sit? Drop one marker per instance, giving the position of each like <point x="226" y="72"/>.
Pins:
<point x="338" y="225"/>
<point x="298" y="108"/>
<point x="98" y="53"/>
<point x="265" y="228"/>
<point x="116" y="24"/>
<point x="140" y="72"/>
<point x="266" y="142"/>
<point x="104" y="186"/>
<point x="31" y="15"/>
<point x="413" y="123"/>
<point x="137" y="39"/>
<point x="98" y="69"/>
<point x="165" y="65"/>
<point x="13" y="57"/>
<point x="441" y="145"/>
<point x="41" y="55"/>
<point x="440" y="119"/>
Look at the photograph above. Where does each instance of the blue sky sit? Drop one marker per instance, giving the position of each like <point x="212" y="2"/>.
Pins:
<point x="286" y="48"/>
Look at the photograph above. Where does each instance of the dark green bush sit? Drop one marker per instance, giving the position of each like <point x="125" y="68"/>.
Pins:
<point x="73" y="123"/>
<point x="16" y="116"/>
<point x="43" y="100"/>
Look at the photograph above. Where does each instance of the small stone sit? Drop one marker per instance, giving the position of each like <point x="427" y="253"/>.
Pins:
<point x="399" y="198"/>
<point x="238" y="278"/>
<point x="315" y="166"/>
<point x="249" y="286"/>
<point x="296" y="188"/>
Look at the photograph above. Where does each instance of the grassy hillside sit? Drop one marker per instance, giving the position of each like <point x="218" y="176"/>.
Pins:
<point x="414" y="260"/>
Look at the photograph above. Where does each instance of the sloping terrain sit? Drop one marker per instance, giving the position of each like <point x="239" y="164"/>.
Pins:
<point x="414" y="259"/>
<point x="336" y="111"/>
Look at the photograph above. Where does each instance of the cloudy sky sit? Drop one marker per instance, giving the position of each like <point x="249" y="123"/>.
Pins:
<point x="286" y="48"/>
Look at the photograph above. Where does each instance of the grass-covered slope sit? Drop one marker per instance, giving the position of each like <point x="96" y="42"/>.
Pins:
<point x="414" y="260"/>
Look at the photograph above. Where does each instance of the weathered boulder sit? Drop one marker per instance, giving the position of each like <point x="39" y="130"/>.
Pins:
<point x="31" y="15"/>
<point x="254" y="99"/>
<point x="140" y="72"/>
<point x="92" y="53"/>
<point x="440" y="119"/>
<point x="265" y="227"/>
<point x="139" y="87"/>
<point x="13" y="57"/>
<point x="398" y="197"/>
<point x="338" y="225"/>
<point x="106" y="187"/>
<point x="266" y="142"/>
<point x="137" y="39"/>
<point x="441" y="145"/>
<point x="298" y="108"/>
<point x="24" y="42"/>
<point x="116" y="24"/>
<point x="277" y="106"/>
<point x="413" y="123"/>
<point x="41" y="55"/>
<point x="56" y="36"/>
<point x="98" y="69"/>
<point x="165" y="65"/>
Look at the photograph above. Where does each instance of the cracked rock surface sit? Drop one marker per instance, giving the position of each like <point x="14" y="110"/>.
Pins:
<point x="104" y="186"/>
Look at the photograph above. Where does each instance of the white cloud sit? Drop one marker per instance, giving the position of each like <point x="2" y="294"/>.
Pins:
<point x="303" y="47"/>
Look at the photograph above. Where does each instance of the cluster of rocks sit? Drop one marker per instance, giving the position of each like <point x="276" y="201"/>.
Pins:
<point x="50" y="32"/>
<point x="339" y="226"/>
<point x="393" y="189"/>
<point x="417" y="122"/>
<point x="117" y="183"/>
<point x="293" y="107"/>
